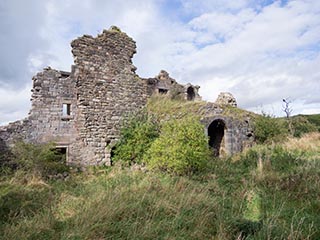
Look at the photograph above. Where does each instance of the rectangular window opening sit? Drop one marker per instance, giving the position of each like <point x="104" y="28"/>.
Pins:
<point x="66" y="109"/>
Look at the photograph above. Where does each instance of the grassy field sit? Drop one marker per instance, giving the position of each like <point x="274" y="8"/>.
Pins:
<point x="267" y="192"/>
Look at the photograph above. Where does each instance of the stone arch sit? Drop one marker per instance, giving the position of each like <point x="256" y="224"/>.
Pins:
<point x="190" y="93"/>
<point x="216" y="134"/>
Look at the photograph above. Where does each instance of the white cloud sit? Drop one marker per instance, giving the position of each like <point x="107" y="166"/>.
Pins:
<point x="260" y="51"/>
<point x="15" y="104"/>
<point x="265" y="56"/>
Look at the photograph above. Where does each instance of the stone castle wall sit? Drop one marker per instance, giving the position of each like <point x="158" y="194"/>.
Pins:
<point x="108" y="89"/>
<point x="83" y="110"/>
<point x="52" y="90"/>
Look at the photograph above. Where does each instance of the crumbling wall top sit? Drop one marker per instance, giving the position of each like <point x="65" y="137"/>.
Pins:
<point x="110" y="45"/>
<point x="226" y="98"/>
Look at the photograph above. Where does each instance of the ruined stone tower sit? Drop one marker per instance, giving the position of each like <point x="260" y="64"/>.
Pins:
<point x="82" y="110"/>
<point x="107" y="88"/>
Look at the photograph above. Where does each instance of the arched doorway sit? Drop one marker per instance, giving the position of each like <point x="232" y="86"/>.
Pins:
<point x="190" y="94"/>
<point x="216" y="135"/>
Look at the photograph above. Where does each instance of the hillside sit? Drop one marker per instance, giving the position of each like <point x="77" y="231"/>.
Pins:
<point x="312" y="118"/>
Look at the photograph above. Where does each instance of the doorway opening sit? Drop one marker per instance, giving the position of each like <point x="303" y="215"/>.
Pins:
<point x="216" y="136"/>
<point x="190" y="94"/>
<point x="112" y="155"/>
<point x="61" y="154"/>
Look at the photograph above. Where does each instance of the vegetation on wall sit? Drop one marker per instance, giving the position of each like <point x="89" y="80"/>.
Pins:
<point x="177" y="146"/>
<point x="136" y="136"/>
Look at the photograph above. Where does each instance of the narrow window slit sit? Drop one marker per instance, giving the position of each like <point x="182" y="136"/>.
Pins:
<point x="66" y="109"/>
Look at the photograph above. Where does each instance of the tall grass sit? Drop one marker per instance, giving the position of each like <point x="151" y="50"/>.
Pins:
<point x="119" y="205"/>
<point x="267" y="192"/>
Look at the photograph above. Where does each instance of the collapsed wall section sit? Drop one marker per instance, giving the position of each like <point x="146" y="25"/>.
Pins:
<point x="107" y="90"/>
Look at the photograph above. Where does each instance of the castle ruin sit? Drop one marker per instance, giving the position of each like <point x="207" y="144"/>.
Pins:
<point x="82" y="110"/>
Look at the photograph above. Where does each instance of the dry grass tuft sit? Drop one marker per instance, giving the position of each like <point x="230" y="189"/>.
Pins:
<point x="308" y="142"/>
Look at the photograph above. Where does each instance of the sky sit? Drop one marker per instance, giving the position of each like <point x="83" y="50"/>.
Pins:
<point x="259" y="50"/>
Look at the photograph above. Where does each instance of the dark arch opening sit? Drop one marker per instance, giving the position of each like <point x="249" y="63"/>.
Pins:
<point x="216" y="134"/>
<point x="112" y="154"/>
<point x="190" y="94"/>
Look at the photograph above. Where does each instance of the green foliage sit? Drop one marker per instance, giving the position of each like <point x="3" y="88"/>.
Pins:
<point x="301" y="125"/>
<point x="138" y="133"/>
<point x="233" y="199"/>
<point x="314" y="119"/>
<point x="267" y="129"/>
<point x="41" y="159"/>
<point x="253" y="207"/>
<point x="182" y="147"/>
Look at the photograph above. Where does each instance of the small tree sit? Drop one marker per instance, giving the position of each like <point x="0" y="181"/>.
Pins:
<point x="286" y="107"/>
<point x="288" y="110"/>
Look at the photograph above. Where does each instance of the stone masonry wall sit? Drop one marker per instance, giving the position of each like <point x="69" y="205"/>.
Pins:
<point x="52" y="89"/>
<point x="108" y="90"/>
<point x="46" y="122"/>
<point x="238" y="132"/>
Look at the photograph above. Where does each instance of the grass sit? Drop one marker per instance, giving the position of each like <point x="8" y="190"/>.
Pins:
<point x="266" y="192"/>
<point x="165" y="108"/>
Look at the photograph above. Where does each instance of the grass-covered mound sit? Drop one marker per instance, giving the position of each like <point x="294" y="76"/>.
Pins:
<point x="267" y="192"/>
<point x="166" y="108"/>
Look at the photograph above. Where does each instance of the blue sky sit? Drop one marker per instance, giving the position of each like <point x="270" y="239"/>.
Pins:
<point x="259" y="50"/>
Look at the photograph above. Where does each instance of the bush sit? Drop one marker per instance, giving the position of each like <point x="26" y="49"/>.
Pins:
<point x="136" y="136"/>
<point x="181" y="148"/>
<point x="40" y="159"/>
<point x="267" y="129"/>
<point x="301" y="125"/>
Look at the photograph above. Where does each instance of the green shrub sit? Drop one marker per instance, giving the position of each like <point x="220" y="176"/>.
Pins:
<point x="267" y="129"/>
<point x="301" y="125"/>
<point x="314" y="119"/>
<point x="139" y="131"/>
<point x="40" y="159"/>
<point x="181" y="148"/>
